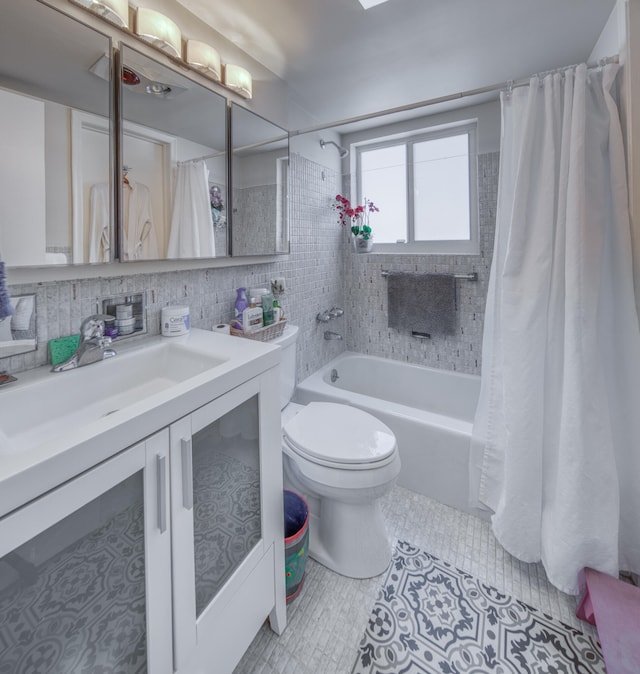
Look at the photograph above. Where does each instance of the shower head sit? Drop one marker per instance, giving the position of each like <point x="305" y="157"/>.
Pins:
<point x="343" y="151"/>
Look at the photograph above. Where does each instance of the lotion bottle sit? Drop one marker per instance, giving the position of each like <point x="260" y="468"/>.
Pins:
<point x="278" y="314"/>
<point x="252" y="317"/>
<point x="267" y="309"/>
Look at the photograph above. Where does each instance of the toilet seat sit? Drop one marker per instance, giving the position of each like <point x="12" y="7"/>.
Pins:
<point x="339" y="436"/>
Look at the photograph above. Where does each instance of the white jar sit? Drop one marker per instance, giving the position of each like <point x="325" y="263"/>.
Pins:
<point x="175" y="321"/>
<point x="126" y="326"/>
<point x="258" y="293"/>
<point x="124" y="311"/>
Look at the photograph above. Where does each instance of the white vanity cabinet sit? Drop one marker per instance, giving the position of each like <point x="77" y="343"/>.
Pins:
<point x="85" y="571"/>
<point x="166" y="556"/>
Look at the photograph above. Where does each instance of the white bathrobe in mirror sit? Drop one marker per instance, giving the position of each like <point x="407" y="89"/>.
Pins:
<point x="140" y="241"/>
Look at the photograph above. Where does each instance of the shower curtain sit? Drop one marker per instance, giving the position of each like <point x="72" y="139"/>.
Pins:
<point x="556" y="439"/>
<point x="191" y="222"/>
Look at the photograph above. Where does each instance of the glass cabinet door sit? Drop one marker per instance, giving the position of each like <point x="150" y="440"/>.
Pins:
<point x="226" y="497"/>
<point x="216" y="510"/>
<point x="74" y="576"/>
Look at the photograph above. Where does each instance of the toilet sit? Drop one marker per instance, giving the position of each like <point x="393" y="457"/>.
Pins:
<point x="342" y="460"/>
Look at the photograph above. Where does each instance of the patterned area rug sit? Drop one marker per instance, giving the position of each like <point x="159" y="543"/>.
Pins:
<point x="431" y="617"/>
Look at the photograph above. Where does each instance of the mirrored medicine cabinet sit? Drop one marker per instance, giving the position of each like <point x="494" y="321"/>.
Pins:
<point x="174" y="164"/>
<point x="57" y="128"/>
<point x="259" y="184"/>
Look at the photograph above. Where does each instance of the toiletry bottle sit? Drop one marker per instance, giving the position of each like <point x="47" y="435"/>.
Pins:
<point x="277" y="311"/>
<point x="267" y="309"/>
<point x="241" y="304"/>
<point x="252" y="317"/>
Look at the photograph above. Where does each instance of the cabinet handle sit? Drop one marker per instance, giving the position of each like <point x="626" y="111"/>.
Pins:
<point x="187" y="474"/>
<point x="161" y="475"/>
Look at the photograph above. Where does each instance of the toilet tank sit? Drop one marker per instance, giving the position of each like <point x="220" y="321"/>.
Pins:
<point x="287" y="342"/>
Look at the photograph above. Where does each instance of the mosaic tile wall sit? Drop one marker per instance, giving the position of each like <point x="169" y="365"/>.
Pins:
<point x="312" y="274"/>
<point x="255" y="215"/>
<point x="320" y="273"/>
<point x="366" y="294"/>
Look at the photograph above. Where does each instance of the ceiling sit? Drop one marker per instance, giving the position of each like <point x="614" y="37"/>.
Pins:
<point x="340" y="60"/>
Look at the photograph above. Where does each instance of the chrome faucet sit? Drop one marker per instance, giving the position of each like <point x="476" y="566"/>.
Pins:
<point x="331" y="335"/>
<point x="93" y="346"/>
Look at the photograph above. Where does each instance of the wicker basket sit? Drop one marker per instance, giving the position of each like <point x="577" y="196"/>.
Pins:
<point x="262" y="334"/>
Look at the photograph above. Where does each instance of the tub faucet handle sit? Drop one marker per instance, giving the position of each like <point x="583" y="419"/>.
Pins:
<point x="323" y="317"/>
<point x="336" y="312"/>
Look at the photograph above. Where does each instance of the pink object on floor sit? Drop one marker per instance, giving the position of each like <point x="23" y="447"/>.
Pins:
<point x="613" y="606"/>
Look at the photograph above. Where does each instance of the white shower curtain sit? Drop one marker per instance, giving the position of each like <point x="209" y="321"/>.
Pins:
<point x="556" y="439"/>
<point x="191" y="223"/>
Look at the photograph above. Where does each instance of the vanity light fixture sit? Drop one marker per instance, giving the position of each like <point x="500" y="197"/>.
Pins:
<point x="158" y="89"/>
<point x="159" y="31"/>
<point x="204" y="58"/>
<point x="238" y="79"/>
<point x="115" y="11"/>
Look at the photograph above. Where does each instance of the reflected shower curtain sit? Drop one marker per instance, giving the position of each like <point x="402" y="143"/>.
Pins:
<point x="191" y="222"/>
<point x="556" y="439"/>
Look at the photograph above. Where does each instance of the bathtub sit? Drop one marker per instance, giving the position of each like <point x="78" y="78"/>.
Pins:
<point x="430" y="411"/>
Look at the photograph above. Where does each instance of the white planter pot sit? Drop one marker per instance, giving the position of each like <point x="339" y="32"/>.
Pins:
<point x="362" y="245"/>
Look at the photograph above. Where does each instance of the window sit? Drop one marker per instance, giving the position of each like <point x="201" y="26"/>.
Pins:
<point x="425" y="187"/>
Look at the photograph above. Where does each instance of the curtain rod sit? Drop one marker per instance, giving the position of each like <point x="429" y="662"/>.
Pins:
<point x="471" y="276"/>
<point x="244" y="148"/>
<point x="450" y="97"/>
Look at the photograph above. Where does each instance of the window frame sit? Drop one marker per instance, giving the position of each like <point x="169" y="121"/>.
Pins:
<point x="469" y="246"/>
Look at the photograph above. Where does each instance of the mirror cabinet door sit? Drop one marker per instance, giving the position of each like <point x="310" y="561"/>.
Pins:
<point x="259" y="185"/>
<point x="55" y="122"/>
<point x="174" y="164"/>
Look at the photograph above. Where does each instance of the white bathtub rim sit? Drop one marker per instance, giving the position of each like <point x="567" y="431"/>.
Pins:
<point x="404" y="364"/>
<point x="316" y="384"/>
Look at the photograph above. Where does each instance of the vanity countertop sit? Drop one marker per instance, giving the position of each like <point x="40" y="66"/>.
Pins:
<point x="54" y="426"/>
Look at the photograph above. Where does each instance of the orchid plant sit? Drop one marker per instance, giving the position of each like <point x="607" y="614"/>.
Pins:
<point x="356" y="217"/>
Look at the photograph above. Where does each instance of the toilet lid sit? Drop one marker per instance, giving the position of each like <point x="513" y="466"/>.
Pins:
<point x="339" y="434"/>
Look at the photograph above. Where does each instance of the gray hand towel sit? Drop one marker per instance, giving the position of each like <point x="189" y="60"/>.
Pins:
<point x="424" y="303"/>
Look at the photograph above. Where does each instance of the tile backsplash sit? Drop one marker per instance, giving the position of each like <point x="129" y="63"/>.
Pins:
<point x="321" y="272"/>
<point x="312" y="273"/>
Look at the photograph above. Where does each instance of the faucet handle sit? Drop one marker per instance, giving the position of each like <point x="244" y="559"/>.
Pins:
<point x="336" y="312"/>
<point x="93" y="326"/>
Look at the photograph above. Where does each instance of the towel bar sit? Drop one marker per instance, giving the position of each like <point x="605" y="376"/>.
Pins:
<point x="472" y="276"/>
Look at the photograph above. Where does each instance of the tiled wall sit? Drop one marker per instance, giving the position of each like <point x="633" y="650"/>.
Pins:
<point x="312" y="274"/>
<point x="255" y="217"/>
<point x="366" y="294"/>
<point x="320" y="273"/>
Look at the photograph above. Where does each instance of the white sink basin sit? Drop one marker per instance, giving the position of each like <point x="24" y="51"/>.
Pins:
<point x="56" y="425"/>
<point x="59" y="402"/>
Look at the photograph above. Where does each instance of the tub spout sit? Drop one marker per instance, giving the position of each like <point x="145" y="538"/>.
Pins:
<point x="331" y="335"/>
